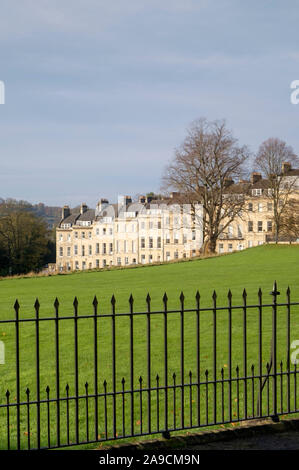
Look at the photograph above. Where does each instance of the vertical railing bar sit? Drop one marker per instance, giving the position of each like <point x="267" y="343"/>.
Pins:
<point x="275" y="293"/>
<point x="95" y="341"/>
<point x="288" y="347"/>
<point x="76" y="369"/>
<point x="260" y="309"/>
<point x="36" y="306"/>
<point x="7" y="394"/>
<point x="148" y="301"/>
<point x="17" y="308"/>
<point x="245" y="351"/>
<point x="87" y="412"/>
<point x="48" y="416"/>
<point x="165" y="367"/>
<point x="230" y="354"/>
<point x="215" y="354"/>
<point x="182" y="362"/>
<point x="198" y="353"/>
<point x="56" y="306"/>
<point x="28" y="417"/>
<point x="113" y="365"/>
<point x="131" y="302"/>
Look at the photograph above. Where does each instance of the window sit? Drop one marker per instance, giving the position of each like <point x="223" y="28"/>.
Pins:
<point x="126" y="260"/>
<point x="76" y="234"/>
<point x="97" y="263"/>
<point x="250" y="226"/>
<point x="256" y="192"/>
<point x="83" y="265"/>
<point x="167" y="256"/>
<point x="270" y="206"/>
<point x="260" y="207"/>
<point x="230" y="247"/>
<point x="89" y="234"/>
<point x="176" y="255"/>
<point x="143" y="259"/>
<point x="240" y="231"/>
<point x="230" y="231"/>
<point x="110" y="248"/>
<point x="220" y="247"/>
<point x="110" y="231"/>
<point x="104" y="263"/>
<point x="83" y="234"/>
<point x="151" y="243"/>
<point x="76" y="264"/>
<point x="97" y="248"/>
<point x="75" y="250"/>
<point x="176" y="238"/>
<point x="193" y="235"/>
<point x="69" y="237"/>
<point x="68" y="251"/>
<point x="119" y="261"/>
<point x="250" y="244"/>
<point x="61" y="251"/>
<point x="260" y="226"/>
<point x="250" y="206"/>
<point x="104" y="231"/>
<point x="83" y="250"/>
<point x="60" y="237"/>
<point x="150" y="258"/>
<point x="159" y="224"/>
<point x="159" y="242"/>
<point x="142" y="241"/>
<point x="104" y="248"/>
<point x="97" y="231"/>
<point x="269" y="226"/>
<point x="89" y="249"/>
<point x="151" y="225"/>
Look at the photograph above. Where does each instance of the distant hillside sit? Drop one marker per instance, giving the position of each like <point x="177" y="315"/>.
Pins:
<point x="51" y="214"/>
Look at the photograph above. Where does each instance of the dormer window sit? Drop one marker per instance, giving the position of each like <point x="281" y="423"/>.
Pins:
<point x="256" y="192"/>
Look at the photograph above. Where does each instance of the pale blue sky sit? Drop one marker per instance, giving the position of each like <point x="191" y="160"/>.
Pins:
<point x="99" y="93"/>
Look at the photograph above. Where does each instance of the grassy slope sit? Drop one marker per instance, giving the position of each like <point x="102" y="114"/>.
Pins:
<point x="251" y="269"/>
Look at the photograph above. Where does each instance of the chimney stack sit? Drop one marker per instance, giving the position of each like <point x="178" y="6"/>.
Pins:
<point x="255" y="177"/>
<point x="286" y="167"/>
<point x="65" y="212"/>
<point x="83" y="208"/>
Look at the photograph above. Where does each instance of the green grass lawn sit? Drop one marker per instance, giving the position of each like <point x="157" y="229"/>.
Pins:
<point x="249" y="269"/>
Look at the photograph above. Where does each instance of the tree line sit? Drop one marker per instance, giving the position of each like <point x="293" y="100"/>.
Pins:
<point x="210" y="159"/>
<point x="26" y="243"/>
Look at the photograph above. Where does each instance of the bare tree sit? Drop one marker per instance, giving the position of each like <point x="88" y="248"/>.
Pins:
<point x="203" y="169"/>
<point x="275" y="160"/>
<point x="289" y="223"/>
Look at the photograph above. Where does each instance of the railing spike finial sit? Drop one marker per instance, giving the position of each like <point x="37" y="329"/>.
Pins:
<point x="260" y="293"/>
<point x="56" y="303"/>
<point x="197" y="296"/>
<point x="182" y="297"/>
<point x="244" y="294"/>
<point x="148" y="298"/>
<point x="16" y="305"/>
<point x="229" y="294"/>
<point x="214" y="296"/>
<point x="95" y="301"/>
<point x="113" y="300"/>
<point x="165" y="298"/>
<point x="36" y="304"/>
<point x="288" y="291"/>
<point x="75" y="303"/>
<point x="131" y="300"/>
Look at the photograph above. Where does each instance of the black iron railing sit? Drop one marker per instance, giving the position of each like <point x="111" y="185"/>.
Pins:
<point x="85" y="378"/>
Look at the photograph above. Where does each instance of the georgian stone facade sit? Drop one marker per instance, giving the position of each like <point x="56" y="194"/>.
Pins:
<point x="148" y="231"/>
